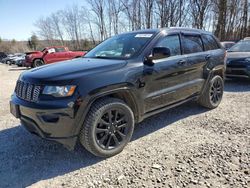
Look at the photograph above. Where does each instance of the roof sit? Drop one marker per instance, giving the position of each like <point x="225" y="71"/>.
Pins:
<point x="186" y="29"/>
<point x="172" y="29"/>
<point x="56" y="47"/>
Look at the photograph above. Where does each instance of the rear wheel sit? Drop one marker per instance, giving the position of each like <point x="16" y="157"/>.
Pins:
<point x="38" y="63"/>
<point x="108" y="127"/>
<point x="212" y="96"/>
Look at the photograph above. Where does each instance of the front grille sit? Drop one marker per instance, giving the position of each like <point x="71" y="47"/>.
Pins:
<point x="27" y="91"/>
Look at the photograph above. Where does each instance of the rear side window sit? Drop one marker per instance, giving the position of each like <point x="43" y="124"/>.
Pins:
<point x="192" y="44"/>
<point x="209" y="42"/>
<point x="172" y="42"/>
<point x="60" y="50"/>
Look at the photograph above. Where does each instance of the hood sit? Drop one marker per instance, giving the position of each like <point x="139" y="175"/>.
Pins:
<point x="238" y="55"/>
<point x="70" y="70"/>
<point x="34" y="52"/>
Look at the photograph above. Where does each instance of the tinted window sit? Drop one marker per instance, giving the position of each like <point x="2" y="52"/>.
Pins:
<point x="171" y="42"/>
<point x="192" y="44"/>
<point x="60" y="50"/>
<point x="209" y="42"/>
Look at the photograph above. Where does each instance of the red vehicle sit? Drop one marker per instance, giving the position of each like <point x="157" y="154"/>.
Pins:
<point x="50" y="55"/>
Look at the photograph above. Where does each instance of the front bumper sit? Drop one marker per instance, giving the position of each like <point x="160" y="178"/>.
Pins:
<point x="27" y="62"/>
<point x="238" y="70"/>
<point x="51" y="124"/>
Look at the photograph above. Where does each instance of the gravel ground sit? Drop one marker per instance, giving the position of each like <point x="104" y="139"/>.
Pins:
<point x="187" y="146"/>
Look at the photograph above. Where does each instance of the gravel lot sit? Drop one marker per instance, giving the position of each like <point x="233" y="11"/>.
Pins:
<point x="188" y="146"/>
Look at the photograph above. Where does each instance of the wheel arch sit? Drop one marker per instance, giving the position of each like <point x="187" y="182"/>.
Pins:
<point x="218" y="70"/>
<point x="123" y="93"/>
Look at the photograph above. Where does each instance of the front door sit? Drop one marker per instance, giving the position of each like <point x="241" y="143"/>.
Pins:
<point x="166" y="78"/>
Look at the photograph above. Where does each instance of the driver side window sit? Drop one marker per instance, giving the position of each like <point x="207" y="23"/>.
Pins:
<point x="172" y="42"/>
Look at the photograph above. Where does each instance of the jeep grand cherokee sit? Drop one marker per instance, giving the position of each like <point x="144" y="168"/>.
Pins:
<point x="125" y="79"/>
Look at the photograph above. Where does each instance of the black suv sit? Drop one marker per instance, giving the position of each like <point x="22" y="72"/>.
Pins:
<point x="125" y="79"/>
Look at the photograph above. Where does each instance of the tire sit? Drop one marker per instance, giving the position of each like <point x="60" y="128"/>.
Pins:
<point x="37" y="63"/>
<point x="213" y="93"/>
<point x="108" y="127"/>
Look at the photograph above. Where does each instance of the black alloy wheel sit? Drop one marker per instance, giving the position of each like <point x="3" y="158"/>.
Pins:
<point x="216" y="91"/>
<point x="112" y="128"/>
<point x="108" y="127"/>
<point x="212" y="95"/>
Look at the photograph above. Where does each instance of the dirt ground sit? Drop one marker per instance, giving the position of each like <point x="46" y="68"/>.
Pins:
<point x="187" y="146"/>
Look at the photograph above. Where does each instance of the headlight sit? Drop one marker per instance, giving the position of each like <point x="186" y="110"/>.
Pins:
<point x="59" y="91"/>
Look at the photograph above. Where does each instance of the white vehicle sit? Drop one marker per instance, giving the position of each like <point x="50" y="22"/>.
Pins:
<point x="18" y="60"/>
<point x="16" y="57"/>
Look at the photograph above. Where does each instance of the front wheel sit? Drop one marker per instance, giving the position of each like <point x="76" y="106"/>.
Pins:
<point x="108" y="127"/>
<point x="213" y="93"/>
<point x="37" y="63"/>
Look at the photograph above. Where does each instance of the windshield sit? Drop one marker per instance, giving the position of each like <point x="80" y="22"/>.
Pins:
<point x="242" y="46"/>
<point x="122" y="46"/>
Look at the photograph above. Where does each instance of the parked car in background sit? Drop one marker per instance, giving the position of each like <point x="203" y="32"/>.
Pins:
<point x="2" y="56"/>
<point x="227" y="44"/>
<point x="18" y="60"/>
<point x="50" y="55"/>
<point x="8" y="59"/>
<point x="125" y="79"/>
<point x="238" y="60"/>
<point x="247" y="38"/>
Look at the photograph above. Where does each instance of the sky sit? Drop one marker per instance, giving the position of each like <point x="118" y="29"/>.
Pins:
<point x="17" y="17"/>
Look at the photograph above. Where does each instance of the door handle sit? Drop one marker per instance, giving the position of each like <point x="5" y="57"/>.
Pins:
<point x="208" y="57"/>
<point x="182" y="62"/>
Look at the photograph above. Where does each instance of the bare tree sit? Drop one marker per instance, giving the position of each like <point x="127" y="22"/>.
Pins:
<point x="221" y="10"/>
<point x="133" y="11"/>
<point x="73" y="24"/>
<point x="148" y="11"/>
<point x="98" y="7"/>
<point x="45" y="29"/>
<point x="57" y="25"/>
<point x="198" y="11"/>
<point x="228" y="19"/>
<point x="115" y="9"/>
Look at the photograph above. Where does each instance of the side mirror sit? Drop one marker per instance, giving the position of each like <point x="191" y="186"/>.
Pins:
<point x="160" y="52"/>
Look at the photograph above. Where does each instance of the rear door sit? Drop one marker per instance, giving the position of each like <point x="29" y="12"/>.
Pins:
<point x="197" y="59"/>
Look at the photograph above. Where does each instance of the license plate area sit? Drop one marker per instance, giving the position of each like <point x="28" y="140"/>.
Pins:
<point x="14" y="109"/>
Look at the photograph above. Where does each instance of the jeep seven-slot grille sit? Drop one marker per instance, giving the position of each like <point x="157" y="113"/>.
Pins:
<point x="27" y="91"/>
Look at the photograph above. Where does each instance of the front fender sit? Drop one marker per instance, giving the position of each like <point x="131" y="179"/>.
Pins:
<point x="124" y="88"/>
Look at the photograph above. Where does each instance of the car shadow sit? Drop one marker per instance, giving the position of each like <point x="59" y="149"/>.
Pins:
<point x="237" y="85"/>
<point x="26" y="159"/>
